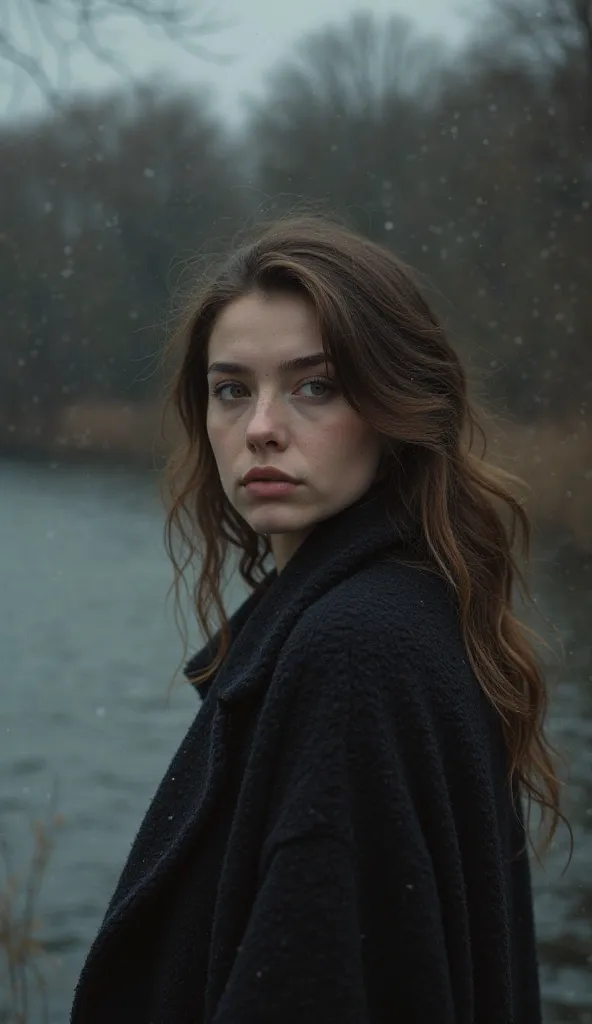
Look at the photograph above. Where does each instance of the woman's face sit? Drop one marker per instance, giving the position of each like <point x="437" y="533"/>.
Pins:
<point x="261" y="414"/>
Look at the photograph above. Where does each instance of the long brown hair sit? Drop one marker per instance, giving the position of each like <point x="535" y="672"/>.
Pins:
<point x="397" y="369"/>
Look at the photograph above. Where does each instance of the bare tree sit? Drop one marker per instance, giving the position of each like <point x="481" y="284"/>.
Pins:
<point x="342" y="120"/>
<point x="546" y="33"/>
<point x="552" y="39"/>
<point x="359" y="65"/>
<point x="32" y="29"/>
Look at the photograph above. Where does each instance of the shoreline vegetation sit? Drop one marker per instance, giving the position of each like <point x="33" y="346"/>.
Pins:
<point x="24" y="960"/>
<point x="554" y="460"/>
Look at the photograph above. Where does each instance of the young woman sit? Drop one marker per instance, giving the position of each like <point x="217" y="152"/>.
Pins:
<point x="340" y="836"/>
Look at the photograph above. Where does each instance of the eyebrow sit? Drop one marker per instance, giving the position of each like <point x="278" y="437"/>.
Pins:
<point x="300" y="363"/>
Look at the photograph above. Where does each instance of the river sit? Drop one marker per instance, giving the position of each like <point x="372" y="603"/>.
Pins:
<point x="87" y="722"/>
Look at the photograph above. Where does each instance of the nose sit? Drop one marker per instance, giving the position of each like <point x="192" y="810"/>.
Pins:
<point x="267" y="423"/>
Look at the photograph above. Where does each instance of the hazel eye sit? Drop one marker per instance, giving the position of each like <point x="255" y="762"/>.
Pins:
<point x="218" y="390"/>
<point x="319" y="384"/>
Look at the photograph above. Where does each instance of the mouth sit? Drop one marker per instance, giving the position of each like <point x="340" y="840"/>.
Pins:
<point x="261" y="488"/>
<point x="267" y="473"/>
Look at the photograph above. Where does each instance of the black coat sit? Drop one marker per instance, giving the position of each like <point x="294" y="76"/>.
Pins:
<point x="335" y="839"/>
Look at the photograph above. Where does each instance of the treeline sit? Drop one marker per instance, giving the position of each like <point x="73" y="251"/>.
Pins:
<point x="477" y="170"/>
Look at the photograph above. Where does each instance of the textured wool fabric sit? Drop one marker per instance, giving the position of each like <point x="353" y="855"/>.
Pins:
<point x="335" y="839"/>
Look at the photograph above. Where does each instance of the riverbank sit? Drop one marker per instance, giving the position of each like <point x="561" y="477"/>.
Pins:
<point x="554" y="460"/>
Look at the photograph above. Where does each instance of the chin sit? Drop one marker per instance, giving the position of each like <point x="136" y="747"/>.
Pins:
<point x="270" y="523"/>
<point x="277" y="520"/>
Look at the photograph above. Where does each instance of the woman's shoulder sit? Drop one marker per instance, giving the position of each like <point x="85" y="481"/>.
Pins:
<point x="386" y="601"/>
<point x="391" y="630"/>
<point x="384" y="649"/>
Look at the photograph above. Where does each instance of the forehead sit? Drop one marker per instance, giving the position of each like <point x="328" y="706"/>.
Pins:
<point x="265" y="325"/>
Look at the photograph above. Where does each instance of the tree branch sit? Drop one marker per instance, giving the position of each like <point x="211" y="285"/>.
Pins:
<point x="185" y="23"/>
<point x="87" y="35"/>
<point x="29" y="64"/>
<point x="46" y="30"/>
<point x="181" y="24"/>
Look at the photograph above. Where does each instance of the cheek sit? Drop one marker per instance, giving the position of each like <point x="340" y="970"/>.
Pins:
<point x="349" y="437"/>
<point x="217" y="430"/>
<point x="218" y="438"/>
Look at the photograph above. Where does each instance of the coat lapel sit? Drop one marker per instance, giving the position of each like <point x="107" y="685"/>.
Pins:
<point x="206" y="655"/>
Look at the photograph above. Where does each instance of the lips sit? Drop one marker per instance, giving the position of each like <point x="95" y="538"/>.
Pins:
<point x="267" y="476"/>
<point x="265" y="489"/>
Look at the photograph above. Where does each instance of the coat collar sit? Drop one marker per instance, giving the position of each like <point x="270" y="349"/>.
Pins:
<point x="334" y="550"/>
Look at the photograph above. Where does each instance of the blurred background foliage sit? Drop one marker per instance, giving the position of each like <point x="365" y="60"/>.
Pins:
<point x="476" y="169"/>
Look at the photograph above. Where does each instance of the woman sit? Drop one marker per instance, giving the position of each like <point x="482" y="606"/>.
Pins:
<point x="340" y="836"/>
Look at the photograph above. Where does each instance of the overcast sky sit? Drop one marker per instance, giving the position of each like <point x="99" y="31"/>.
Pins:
<point x="262" y="34"/>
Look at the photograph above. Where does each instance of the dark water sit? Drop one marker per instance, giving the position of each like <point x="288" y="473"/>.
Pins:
<point x="88" y="650"/>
